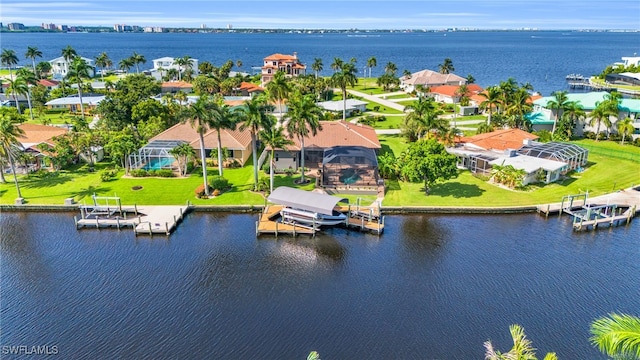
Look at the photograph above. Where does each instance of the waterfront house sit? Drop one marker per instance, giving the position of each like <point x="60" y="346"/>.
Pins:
<point x="236" y="142"/>
<point x="448" y="94"/>
<point x="161" y="65"/>
<point x="429" y="78"/>
<point x="35" y="135"/>
<point x="173" y="87"/>
<point x="542" y="117"/>
<point x="49" y="84"/>
<point x="290" y="65"/>
<point x="248" y="89"/>
<point x="333" y="133"/>
<point x="60" y="67"/>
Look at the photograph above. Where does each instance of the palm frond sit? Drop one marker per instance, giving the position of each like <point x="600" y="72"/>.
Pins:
<point x="618" y="334"/>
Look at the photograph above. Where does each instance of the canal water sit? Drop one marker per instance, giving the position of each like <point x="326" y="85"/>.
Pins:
<point x="431" y="287"/>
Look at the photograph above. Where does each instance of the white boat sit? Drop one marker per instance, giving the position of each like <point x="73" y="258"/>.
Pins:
<point x="312" y="218"/>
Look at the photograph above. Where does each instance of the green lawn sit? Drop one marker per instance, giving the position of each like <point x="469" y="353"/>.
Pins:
<point x="399" y="96"/>
<point x="382" y="109"/>
<point x="392" y="122"/>
<point x="406" y="102"/>
<point x="369" y="86"/>
<point x="80" y="184"/>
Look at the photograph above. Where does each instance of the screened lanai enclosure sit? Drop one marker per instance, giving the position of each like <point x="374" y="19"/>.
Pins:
<point x="155" y="155"/>
<point x="350" y="168"/>
<point x="571" y="154"/>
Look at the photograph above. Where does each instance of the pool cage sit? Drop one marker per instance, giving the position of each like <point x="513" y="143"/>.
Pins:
<point x="155" y="155"/>
<point x="573" y="155"/>
<point x="349" y="166"/>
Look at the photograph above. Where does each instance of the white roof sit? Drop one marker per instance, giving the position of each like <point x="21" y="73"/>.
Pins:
<point x="166" y="58"/>
<point x="305" y="200"/>
<point x="631" y="75"/>
<point x="75" y="100"/>
<point x="338" y="105"/>
<point x="529" y="164"/>
<point x="62" y="59"/>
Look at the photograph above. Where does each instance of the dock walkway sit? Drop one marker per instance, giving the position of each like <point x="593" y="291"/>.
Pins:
<point x="145" y="220"/>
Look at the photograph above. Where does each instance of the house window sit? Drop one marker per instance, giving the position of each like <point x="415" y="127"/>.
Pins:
<point x="277" y="156"/>
<point x="269" y="71"/>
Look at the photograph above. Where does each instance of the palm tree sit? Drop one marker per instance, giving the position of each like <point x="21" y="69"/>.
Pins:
<point x="69" y="53"/>
<point x="599" y="115"/>
<point x="125" y="64"/>
<point x="493" y="100"/>
<point x="424" y="115"/>
<point x="617" y="335"/>
<point x="137" y="60"/>
<point x="522" y="348"/>
<point x="559" y="103"/>
<point x="9" y="58"/>
<point x="625" y="127"/>
<point x="274" y="138"/>
<point x="182" y="153"/>
<point x="254" y="117"/>
<point x="317" y="66"/>
<point x="371" y="62"/>
<point x="278" y="89"/>
<point x="572" y="113"/>
<point x="103" y="61"/>
<point x="43" y="68"/>
<point x="79" y="70"/>
<point x="29" y="79"/>
<point x="304" y="118"/>
<point x="390" y="68"/>
<point x="17" y="86"/>
<point x="180" y="62"/>
<point x="336" y="64"/>
<point x="343" y="78"/>
<point x="518" y="107"/>
<point x="9" y="134"/>
<point x="446" y="67"/>
<point x="198" y="116"/>
<point x="32" y="53"/>
<point x="222" y="117"/>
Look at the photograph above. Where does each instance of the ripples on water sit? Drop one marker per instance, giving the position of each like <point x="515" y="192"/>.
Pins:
<point x="433" y="287"/>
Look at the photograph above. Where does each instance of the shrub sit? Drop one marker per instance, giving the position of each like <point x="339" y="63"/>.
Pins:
<point x="234" y="164"/>
<point x="615" y="137"/>
<point x="190" y="167"/>
<point x="289" y="171"/>
<point x="166" y="173"/>
<point x="216" y="192"/>
<point x="219" y="183"/>
<point x="139" y="173"/>
<point x="263" y="184"/>
<point x="200" y="191"/>
<point x="265" y="166"/>
<point x="589" y="135"/>
<point x="108" y="174"/>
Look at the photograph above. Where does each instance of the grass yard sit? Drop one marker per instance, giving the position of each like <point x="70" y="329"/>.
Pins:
<point x="369" y="86"/>
<point x="391" y="122"/>
<point x="371" y="106"/>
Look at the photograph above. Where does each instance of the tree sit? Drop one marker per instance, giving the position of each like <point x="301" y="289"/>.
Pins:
<point x="274" y="138"/>
<point x="254" y="117"/>
<point x="221" y="117"/>
<point x="463" y="93"/>
<point x="390" y="68"/>
<point x="342" y="79"/>
<point x="9" y="134"/>
<point x="336" y="64"/>
<point x="126" y="64"/>
<point x="571" y="114"/>
<point x="198" y="115"/>
<point x="79" y="70"/>
<point x="493" y="100"/>
<point x="625" y="127"/>
<point x="559" y="102"/>
<point x="470" y="79"/>
<point x="119" y="145"/>
<point x="17" y="87"/>
<point x="371" y="63"/>
<point x="424" y="115"/>
<point x="317" y="66"/>
<point x="518" y="107"/>
<point x="69" y="53"/>
<point x="600" y="115"/>
<point x="387" y="165"/>
<point x="278" y="89"/>
<point x="617" y="335"/>
<point x="446" y="67"/>
<point x="30" y="80"/>
<point x="43" y="69"/>
<point x="9" y="58"/>
<point x="428" y="161"/>
<point x="32" y="53"/>
<point x="522" y="348"/>
<point x="103" y="61"/>
<point x="137" y="60"/>
<point x="304" y="119"/>
<point x="183" y="153"/>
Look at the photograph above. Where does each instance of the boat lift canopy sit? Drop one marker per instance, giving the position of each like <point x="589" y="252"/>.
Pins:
<point x="305" y="200"/>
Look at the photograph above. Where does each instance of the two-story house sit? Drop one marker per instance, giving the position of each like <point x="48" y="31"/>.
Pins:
<point x="290" y="65"/>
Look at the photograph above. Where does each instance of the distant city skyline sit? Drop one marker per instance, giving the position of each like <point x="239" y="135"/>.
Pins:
<point x="330" y="14"/>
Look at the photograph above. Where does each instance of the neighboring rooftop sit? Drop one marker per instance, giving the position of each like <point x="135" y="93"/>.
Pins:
<point x="500" y="139"/>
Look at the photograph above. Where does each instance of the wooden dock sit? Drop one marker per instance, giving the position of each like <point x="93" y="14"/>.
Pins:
<point x="363" y="218"/>
<point x="595" y="216"/>
<point x="144" y="220"/>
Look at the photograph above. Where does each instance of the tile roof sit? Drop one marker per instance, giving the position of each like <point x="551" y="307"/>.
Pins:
<point x="428" y="77"/>
<point x="48" y="83"/>
<point x="339" y="133"/>
<point x="280" y="57"/>
<point x="231" y="139"/>
<point x="250" y="87"/>
<point x="36" y="134"/>
<point x="450" y="90"/>
<point x="176" y="84"/>
<point x="500" y="139"/>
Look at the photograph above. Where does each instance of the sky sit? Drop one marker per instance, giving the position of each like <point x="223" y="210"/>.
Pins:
<point x="330" y="14"/>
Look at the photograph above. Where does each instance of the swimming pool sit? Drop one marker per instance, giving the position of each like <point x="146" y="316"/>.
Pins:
<point x="349" y="176"/>
<point x="158" y="163"/>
